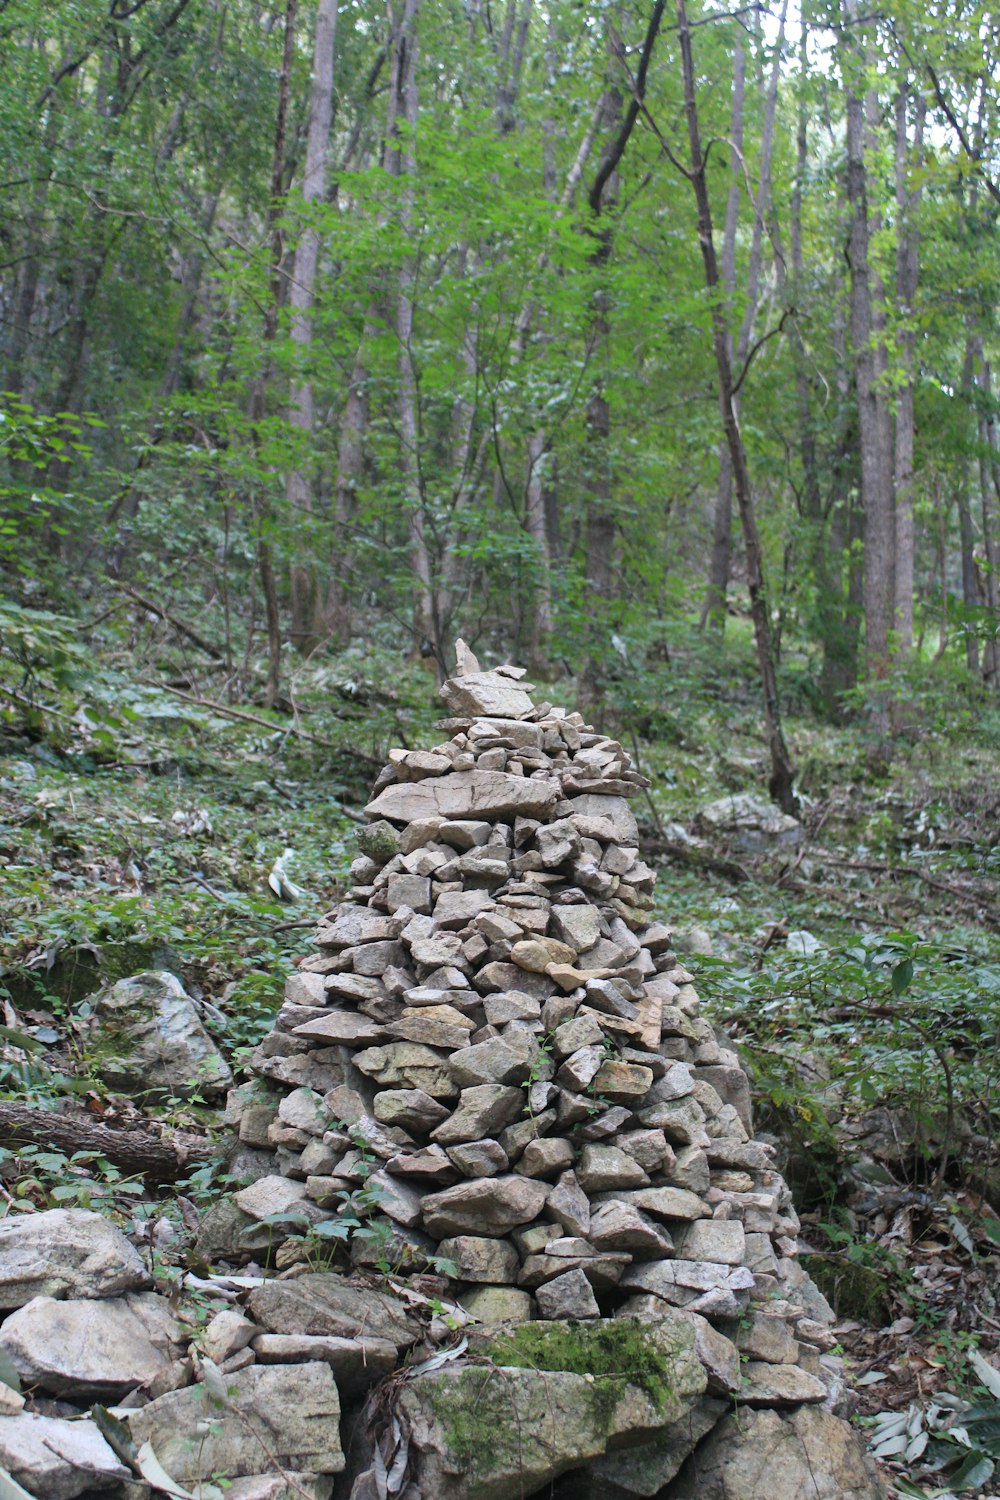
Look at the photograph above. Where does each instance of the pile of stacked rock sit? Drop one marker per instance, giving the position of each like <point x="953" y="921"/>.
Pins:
<point x="498" y="1047"/>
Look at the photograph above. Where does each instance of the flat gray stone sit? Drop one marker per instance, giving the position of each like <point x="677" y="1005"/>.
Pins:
<point x="778" y="1385"/>
<point x="65" y="1252"/>
<point x="356" y="1363"/>
<point x="489" y="693"/>
<point x="92" y="1350"/>
<point x="483" y="1206"/>
<point x="287" y="1415"/>
<point x="466" y="795"/>
<point x="57" y="1459"/>
<point x="323" y="1303"/>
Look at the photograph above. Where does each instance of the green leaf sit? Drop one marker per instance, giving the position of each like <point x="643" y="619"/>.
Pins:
<point x="985" y="1372"/>
<point x="902" y="976"/>
<point x="973" y="1472"/>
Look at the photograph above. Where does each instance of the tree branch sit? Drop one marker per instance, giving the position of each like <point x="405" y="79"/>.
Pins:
<point x="616" y="149"/>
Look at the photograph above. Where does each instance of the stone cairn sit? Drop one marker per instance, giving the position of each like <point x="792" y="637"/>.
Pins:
<point x="496" y="1044"/>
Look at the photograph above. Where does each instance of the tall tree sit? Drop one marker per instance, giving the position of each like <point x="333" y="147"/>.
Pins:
<point x="306" y="626"/>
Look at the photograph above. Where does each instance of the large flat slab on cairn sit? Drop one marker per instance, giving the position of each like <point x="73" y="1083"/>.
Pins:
<point x="495" y="1039"/>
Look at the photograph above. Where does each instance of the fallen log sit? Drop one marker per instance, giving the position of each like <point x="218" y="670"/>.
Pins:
<point x="136" y="1152"/>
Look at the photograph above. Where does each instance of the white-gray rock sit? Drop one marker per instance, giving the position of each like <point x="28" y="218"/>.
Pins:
<point x="57" y="1459"/>
<point x="65" y="1252"/>
<point x="92" y="1350"/>
<point x="287" y="1415"/>
<point x="152" y="1038"/>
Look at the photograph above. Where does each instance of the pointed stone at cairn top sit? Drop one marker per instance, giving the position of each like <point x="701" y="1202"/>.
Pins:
<point x="496" y="693"/>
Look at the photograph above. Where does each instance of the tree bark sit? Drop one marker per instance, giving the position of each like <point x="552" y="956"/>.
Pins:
<point x="265" y="550"/>
<point x="715" y="601"/>
<point x="618" y="123"/>
<point x="301" y="296"/>
<point x="714" y="608"/>
<point x="876" y="493"/>
<point x="907" y="271"/>
<point x="137" y="1152"/>
<point x="782" y="779"/>
<point x="425" y="622"/>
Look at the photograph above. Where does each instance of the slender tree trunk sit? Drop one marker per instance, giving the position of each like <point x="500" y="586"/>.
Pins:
<point x="426" y="633"/>
<point x="875" y="489"/>
<point x="355" y="415"/>
<point x="967" y="539"/>
<point x="989" y="466"/>
<point x="907" y="270"/>
<point x="301" y="296"/>
<point x="124" y="510"/>
<point x="715" y="601"/>
<point x="265" y="549"/>
<point x="782" y="773"/>
<point x="618" y="124"/>
<point x="714" y="609"/>
<point x="29" y="277"/>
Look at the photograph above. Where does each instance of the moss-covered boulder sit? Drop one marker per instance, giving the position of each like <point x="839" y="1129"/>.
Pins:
<point x="149" y="1038"/>
<point x="539" y="1399"/>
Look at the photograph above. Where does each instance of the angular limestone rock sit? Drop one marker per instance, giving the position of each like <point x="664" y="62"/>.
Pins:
<point x="287" y="1415"/>
<point x="65" y="1252"/>
<point x="92" y="1350"/>
<point x="499" y="1432"/>
<point x="466" y="794"/>
<point x="323" y="1303"/>
<point x="57" y="1459"/>
<point x="152" y="1038"/>
<point x="807" y="1454"/>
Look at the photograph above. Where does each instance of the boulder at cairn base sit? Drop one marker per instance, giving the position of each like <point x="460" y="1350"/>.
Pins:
<point x="151" y="1039"/>
<point x="65" y="1252"/>
<point x="497" y="1054"/>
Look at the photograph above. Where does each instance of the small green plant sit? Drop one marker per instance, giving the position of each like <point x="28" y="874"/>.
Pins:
<point x="950" y="1436"/>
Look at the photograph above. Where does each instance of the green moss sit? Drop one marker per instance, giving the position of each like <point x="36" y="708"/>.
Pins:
<point x="615" y="1352"/>
<point x="853" y="1290"/>
<point x="492" y="1422"/>
<point x="379" y="841"/>
<point x="475" y="1414"/>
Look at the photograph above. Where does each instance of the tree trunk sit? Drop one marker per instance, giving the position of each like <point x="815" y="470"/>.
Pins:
<point x="875" y="487"/>
<point x="907" y="270"/>
<point x="425" y="624"/>
<point x="967" y="540"/>
<point x="265" y="551"/>
<point x="715" y="601"/>
<point x="125" y="508"/>
<point x="301" y="296"/>
<point x="714" y="609"/>
<point x="136" y="1152"/>
<point x="782" y="787"/>
<point x="990" y="491"/>
<point x="597" y="483"/>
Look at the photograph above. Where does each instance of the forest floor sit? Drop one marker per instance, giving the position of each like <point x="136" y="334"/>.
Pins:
<point x="858" y="969"/>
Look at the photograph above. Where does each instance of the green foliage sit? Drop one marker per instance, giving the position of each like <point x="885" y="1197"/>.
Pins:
<point x="955" y="1438"/>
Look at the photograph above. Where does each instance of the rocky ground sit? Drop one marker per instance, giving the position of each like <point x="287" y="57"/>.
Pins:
<point x="850" y="959"/>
